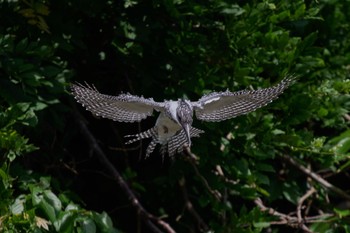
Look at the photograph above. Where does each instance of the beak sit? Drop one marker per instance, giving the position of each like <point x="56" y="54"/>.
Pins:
<point x="186" y="128"/>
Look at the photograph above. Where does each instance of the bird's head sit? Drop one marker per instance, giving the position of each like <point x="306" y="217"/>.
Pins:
<point x="184" y="115"/>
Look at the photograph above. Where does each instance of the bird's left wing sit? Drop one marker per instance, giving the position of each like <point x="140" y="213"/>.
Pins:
<point x="123" y="108"/>
<point x="219" y="106"/>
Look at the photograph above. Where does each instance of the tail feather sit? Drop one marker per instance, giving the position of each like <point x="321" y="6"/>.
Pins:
<point x="176" y="143"/>
<point x="171" y="147"/>
<point x="145" y="134"/>
<point x="151" y="147"/>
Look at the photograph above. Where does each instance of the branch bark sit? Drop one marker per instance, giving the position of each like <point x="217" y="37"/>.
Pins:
<point x="301" y="200"/>
<point x="194" y="160"/>
<point x="284" y="218"/>
<point x="201" y="224"/>
<point x="317" y="178"/>
<point x="146" y="216"/>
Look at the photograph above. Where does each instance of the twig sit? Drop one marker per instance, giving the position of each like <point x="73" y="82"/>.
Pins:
<point x="146" y="216"/>
<point x="347" y="117"/>
<point x="201" y="224"/>
<point x="125" y="149"/>
<point x="284" y="219"/>
<point x="290" y="220"/>
<point x="193" y="160"/>
<point x="317" y="178"/>
<point x="219" y="172"/>
<point x="301" y="200"/>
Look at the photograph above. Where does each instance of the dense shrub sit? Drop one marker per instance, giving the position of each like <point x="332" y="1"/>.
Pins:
<point x="282" y="168"/>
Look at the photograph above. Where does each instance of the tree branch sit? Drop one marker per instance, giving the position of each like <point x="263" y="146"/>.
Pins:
<point x="301" y="200"/>
<point x="194" y="160"/>
<point x="201" y="224"/>
<point x="284" y="219"/>
<point x="317" y="178"/>
<point x="146" y="216"/>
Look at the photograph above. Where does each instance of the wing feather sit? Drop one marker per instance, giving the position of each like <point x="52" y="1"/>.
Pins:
<point x="219" y="106"/>
<point x="123" y="108"/>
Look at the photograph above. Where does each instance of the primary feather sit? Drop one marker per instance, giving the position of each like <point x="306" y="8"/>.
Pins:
<point x="123" y="108"/>
<point x="219" y="106"/>
<point x="173" y="128"/>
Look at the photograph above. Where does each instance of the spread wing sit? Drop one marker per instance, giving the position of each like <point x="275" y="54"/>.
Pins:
<point x="219" y="106"/>
<point x="124" y="107"/>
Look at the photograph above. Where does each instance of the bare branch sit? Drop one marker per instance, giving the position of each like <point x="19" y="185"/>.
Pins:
<point x="146" y="216"/>
<point x="347" y="117"/>
<point x="317" y="178"/>
<point x="193" y="160"/>
<point x="301" y="200"/>
<point x="187" y="150"/>
<point x="201" y="224"/>
<point x="284" y="219"/>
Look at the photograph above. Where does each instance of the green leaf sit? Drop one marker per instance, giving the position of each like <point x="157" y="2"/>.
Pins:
<point x="265" y="167"/>
<point x="340" y="145"/>
<point x="300" y="11"/>
<point x="342" y="213"/>
<point x="322" y="112"/>
<point x="277" y="132"/>
<point x="88" y="226"/>
<point x="48" y="210"/>
<point x="291" y="192"/>
<point x="5" y="178"/>
<point x="261" y="224"/>
<point x="231" y="9"/>
<point x="103" y="221"/>
<point x="18" y="206"/>
<point x="14" y="144"/>
<point x="65" y="222"/>
<point x="262" y="179"/>
<point x="53" y="200"/>
<point x="22" y="45"/>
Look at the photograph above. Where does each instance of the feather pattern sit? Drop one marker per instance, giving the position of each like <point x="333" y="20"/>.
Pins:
<point x="173" y="128"/>
<point x="219" y="106"/>
<point x="152" y="132"/>
<point x="177" y="142"/>
<point x="123" y="108"/>
<point x="171" y="147"/>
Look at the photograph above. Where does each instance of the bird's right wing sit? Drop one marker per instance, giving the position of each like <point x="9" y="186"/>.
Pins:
<point x="123" y="108"/>
<point x="219" y="106"/>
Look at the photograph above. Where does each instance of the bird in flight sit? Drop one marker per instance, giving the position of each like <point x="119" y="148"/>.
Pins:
<point x="173" y="128"/>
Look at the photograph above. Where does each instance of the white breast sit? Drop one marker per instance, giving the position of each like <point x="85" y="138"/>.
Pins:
<point x="166" y="128"/>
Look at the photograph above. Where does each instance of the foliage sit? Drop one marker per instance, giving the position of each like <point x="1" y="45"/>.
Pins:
<point x="38" y="209"/>
<point x="184" y="49"/>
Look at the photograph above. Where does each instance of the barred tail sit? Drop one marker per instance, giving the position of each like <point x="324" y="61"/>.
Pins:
<point x="171" y="147"/>
<point x="176" y="143"/>
<point x="151" y="147"/>
<point x="145" y="134"/>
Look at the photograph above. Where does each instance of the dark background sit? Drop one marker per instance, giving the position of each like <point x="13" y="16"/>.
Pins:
<point x="170" y="50"/>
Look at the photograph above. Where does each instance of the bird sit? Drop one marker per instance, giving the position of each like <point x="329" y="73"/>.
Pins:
<point x="173" y="128"/>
